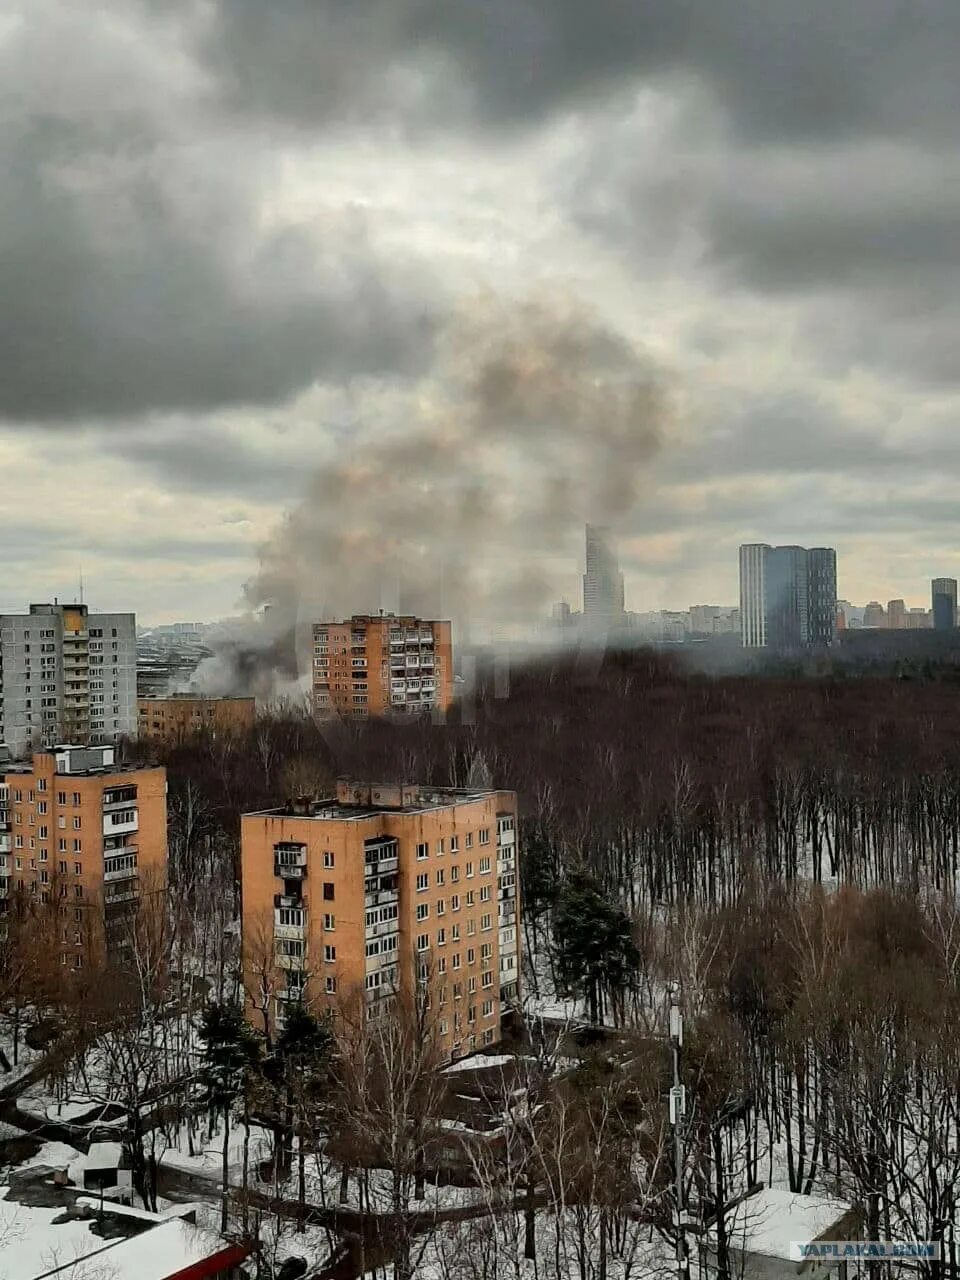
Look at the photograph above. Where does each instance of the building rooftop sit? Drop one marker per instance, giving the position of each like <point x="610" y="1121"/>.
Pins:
<point x="355" y="801"/>
<point x="195" y="697"/>
<point x="76" y="762"/>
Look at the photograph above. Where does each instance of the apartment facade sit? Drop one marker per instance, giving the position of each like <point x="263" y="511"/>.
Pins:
<point x="788" y="597"/>
<point x="66" y="675"/>
<point x="382" y="665"/>
<point x="380" y="889"/>
<point x="179" y="716"/>
<point x="79" y="829"/>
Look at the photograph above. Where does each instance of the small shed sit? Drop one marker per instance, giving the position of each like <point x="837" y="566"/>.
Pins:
<point x="105" y="1166"/>
<point x="767" y="1232"/>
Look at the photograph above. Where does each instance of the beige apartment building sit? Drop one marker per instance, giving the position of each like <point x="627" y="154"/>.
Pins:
<point x="178" y="716"/>
<point x="78" y="828"/>
<point x="381" y="888"/>
<point x="382" y="665"/>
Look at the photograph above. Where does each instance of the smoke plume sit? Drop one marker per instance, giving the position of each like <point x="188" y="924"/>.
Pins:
<point x="534" y="420"/>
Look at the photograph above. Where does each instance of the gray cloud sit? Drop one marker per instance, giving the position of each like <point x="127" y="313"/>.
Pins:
<point x="812" y="70"/>
<point x="135" y="268"/>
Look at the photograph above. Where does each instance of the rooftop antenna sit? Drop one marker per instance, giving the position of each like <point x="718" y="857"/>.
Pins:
<point x="81" y="584"/>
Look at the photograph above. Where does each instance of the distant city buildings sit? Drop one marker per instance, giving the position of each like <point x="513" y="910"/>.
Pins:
<point x="944" y="603"/>
<point x="788" y="597"/>
<point x="382" y="665"/>
<point x="602" y="583"/>
<point x="66" y="675"/>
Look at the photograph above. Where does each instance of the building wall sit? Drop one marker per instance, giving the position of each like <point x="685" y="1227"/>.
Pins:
<point x="602" y="581"/>
<point x="753" y="628"/>
<point x="179" y="717"/>
<point x="68" y="675"/>
<point x="375" y="666"/>
<point x="821" y="597"/>
<point x="62" y="839"/>
<point x="944" y="602"/>
<point x="343" y="880"/>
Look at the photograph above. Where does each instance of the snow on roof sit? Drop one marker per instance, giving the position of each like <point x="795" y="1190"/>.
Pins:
<point x="34" y="1245"/>
<point x="771" y="1221"/>
<point x="479" y="1061"/>
<point x="162" y="1252"/>
<point x="104" y="1155"/>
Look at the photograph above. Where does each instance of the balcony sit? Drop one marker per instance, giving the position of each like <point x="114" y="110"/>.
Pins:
<point x="290" y="932"/>
<point x="115" y="899"/>
<point x="114" y="824"/>
<point x="288" y="900"/>
<point x="5" y="843"/>
<point x="382" y="929"/>
<point x="125" y="873"/>
<point x="289" y="871"/>
<point x="289" y="962"/>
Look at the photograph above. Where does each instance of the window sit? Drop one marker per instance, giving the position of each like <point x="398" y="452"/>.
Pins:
<point x="423" y="910"/>
<point x="488" y="1036"/>
<point x="487" y="1008"/>
<point x="423" y="942"/>
<point x="484" y="835"/>
<point x="328" y="858"/>
<point x="486" y="979"/>
<point x="454" y="844"/>
<point x="472" y="1013"/>
<point x="42" y="833"/>
<point x="329" y="954"/>
<point x="327" y="891"/>
<point x="455" y="933"/>
<point x="468" y="843"/>
<point x="441" y="937"/>
<point x="442" y="964"/>
<point x="61" y="797"/>
<point x="331" y="985"/>
<point x="76" y="824"/>
<point x="471" y="955"/>
<point x="484" y="866"/>
<point x="78" y="890"/>
<point x="454" y="875"/>
<point x="471" y="985"/>
<point x="455" y="902"/>
<point x="441" y="907"/>
<point x="440" y="876"/>
<point x="469" y="870"/>
<point x="291" y="947"/>
<point x="423" y="850"/>
<point x="439" y="847"/>
<point x="485" y="923"/>
<point x="77" y="846"/>
<point x="423" y="882"/>
<point x="77" y="869"/>
<point x="456" y="960"/>
<point x="458" y="991"/>
<point x="42" y="807"/>
<point x="329" y="922"/>
<point x="444" y="1026"/>
<point x="486" y="950"/>
<point x="61" y="845"/>
<point x="63" y="868"/>
<point x="76" y="799"/>
<point x="290" y="916"/>
<point x="471" y="927"/>
<point x="485" y="893"/>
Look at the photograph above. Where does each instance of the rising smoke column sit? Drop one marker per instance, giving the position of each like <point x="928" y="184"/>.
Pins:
<point x="535" y="419"/>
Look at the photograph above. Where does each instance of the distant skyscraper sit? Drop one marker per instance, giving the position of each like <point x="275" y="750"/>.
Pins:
<point x="944" y="593"/>
<point x="821" y="597"/>
<point x="753" y="616"/>
<point x="788" y="597"/>
<point x="602" y="582"/>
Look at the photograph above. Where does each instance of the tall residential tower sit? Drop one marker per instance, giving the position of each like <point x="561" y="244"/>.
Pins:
<point x="788" y="597"/>
<point x="66" y="675"/>
<point x="602" y="582"/>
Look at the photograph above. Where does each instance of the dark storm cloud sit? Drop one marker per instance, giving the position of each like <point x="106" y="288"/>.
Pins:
<point x="214" y="460"/>
<point x="135" y="270"/>
<point x="812" y="69"/>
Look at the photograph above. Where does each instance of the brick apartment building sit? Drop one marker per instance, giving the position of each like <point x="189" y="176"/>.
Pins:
<point x="181" y="716"/>
<point x="382" y="665"/>
<point x="77" y="826"/>
<point x="380" y="888"/>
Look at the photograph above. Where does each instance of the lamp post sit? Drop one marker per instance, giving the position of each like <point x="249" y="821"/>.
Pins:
<point x="678" y="1107"/>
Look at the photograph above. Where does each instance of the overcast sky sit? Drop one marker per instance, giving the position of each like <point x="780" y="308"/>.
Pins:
<point x="232" y="238"/>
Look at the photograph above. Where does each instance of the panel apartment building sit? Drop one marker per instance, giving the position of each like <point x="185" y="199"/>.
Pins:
<point x="77" y="827"/>
<point x="66" y="675"/>
<point x="382" y="665"/>
<point x="382" y="887"/>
